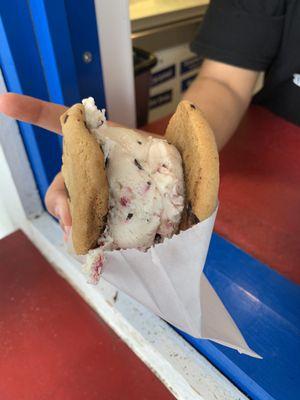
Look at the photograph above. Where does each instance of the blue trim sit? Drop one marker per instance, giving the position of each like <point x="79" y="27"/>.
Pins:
<point x="64" y="31"/>
<point x="266" y="307"/>
<point x="22" y="72"/>
<point x="42" y="42"/>
<point x="53" y="40"/>
<point x="84" y="37"/>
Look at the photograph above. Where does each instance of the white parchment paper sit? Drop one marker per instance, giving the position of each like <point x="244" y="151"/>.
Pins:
<point x="169" y="280"/>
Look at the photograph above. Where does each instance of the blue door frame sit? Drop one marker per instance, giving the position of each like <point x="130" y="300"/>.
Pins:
<point x="41" y="55"/>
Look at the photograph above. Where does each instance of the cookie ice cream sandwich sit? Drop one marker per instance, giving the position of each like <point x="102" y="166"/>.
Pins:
<point x="128" y="190"/>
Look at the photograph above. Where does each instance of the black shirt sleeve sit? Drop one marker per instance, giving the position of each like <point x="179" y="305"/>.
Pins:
<point x="243" y="33"/>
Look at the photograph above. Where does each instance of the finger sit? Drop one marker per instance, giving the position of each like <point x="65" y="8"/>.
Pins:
<point x="57" y="203"/>
<point x="31" y="110"/>
<point x="63" y="214"/>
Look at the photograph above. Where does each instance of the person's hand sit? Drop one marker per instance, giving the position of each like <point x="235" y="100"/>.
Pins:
<point x="56" y="201"/>
<point x="46" y="115"/>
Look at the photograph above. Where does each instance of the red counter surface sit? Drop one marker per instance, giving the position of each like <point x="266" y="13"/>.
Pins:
<point x="53" y="345"/>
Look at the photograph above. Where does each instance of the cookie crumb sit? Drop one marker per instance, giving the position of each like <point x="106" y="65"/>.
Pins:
<point x="158" y="238"/>
<point x="192" y="218"/>
<point x="115" y="298"/>
<point x="104" y="219"/>
<point x="138" y="164"/>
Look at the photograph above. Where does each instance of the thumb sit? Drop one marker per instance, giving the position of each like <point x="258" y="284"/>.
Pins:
<point x="62" y="213"/>
<point x="57" y="204"/>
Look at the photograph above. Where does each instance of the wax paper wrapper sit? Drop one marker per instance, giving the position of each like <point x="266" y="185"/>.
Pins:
<point x="169" y="280"/>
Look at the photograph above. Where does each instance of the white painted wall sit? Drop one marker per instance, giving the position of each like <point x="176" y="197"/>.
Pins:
<point x="7" y="225"/>
<point x="114" y="34"/>
<point x="19" y="197"/>
<point x="12" y="213"/>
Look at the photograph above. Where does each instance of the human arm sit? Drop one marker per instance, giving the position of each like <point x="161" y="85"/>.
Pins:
<point x="223" y="93"/>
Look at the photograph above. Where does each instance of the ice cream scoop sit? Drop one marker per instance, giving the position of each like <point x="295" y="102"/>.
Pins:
<point x="146" y="188"/>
